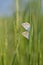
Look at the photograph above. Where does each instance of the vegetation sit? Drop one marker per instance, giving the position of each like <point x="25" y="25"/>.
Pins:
<point x="16" y="49"/>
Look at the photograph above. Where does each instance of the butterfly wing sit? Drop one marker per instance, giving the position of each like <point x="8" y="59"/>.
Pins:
<point x="25" y="34"/>
<point x="26" y="25"/>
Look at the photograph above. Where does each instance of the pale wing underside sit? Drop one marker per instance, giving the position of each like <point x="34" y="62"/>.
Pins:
<point x="25" y="34"/>
<point x="26" y="25"/>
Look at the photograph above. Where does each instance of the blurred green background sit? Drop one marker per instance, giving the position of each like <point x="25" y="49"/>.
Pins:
<point x="16" y="49"/>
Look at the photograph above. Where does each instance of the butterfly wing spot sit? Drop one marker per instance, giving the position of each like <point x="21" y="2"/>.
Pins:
<point x="26" y="34"/>
<point x="26" y="25"/>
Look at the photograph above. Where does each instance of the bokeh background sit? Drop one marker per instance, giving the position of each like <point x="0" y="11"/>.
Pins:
<point x="14" y="48"/>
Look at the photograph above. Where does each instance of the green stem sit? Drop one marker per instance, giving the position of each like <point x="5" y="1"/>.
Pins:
<point x="38" y="33"/>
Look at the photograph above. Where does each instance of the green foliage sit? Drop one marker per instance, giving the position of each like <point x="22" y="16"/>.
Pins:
<point x="16" y="49"/>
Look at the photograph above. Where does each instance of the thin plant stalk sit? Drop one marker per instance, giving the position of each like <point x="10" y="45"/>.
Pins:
<point x="31" y="36"/>
<point x="38" y="34"/>
<point x="17" y="39"/>
<point x="6" y="42"/>
<point x="6" y="35"/>
<point x="17" y="13"/>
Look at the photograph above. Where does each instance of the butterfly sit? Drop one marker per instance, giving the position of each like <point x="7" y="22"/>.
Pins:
<point x="26" y="26"/>
<point x="26" y="34"/>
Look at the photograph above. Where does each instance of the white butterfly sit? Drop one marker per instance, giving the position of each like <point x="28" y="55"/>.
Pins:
<point x="27" y="27"/>
<point x="26" y="34"/>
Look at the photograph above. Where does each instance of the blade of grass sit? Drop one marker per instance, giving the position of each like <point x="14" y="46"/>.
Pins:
<point x="35" y="37"/>
<point x="2" y="58"/>
<point x="17" y="34"/>
<point x="38" y="33"/>
<point x="14" y="59"/>
<point x="31" y="36"/>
